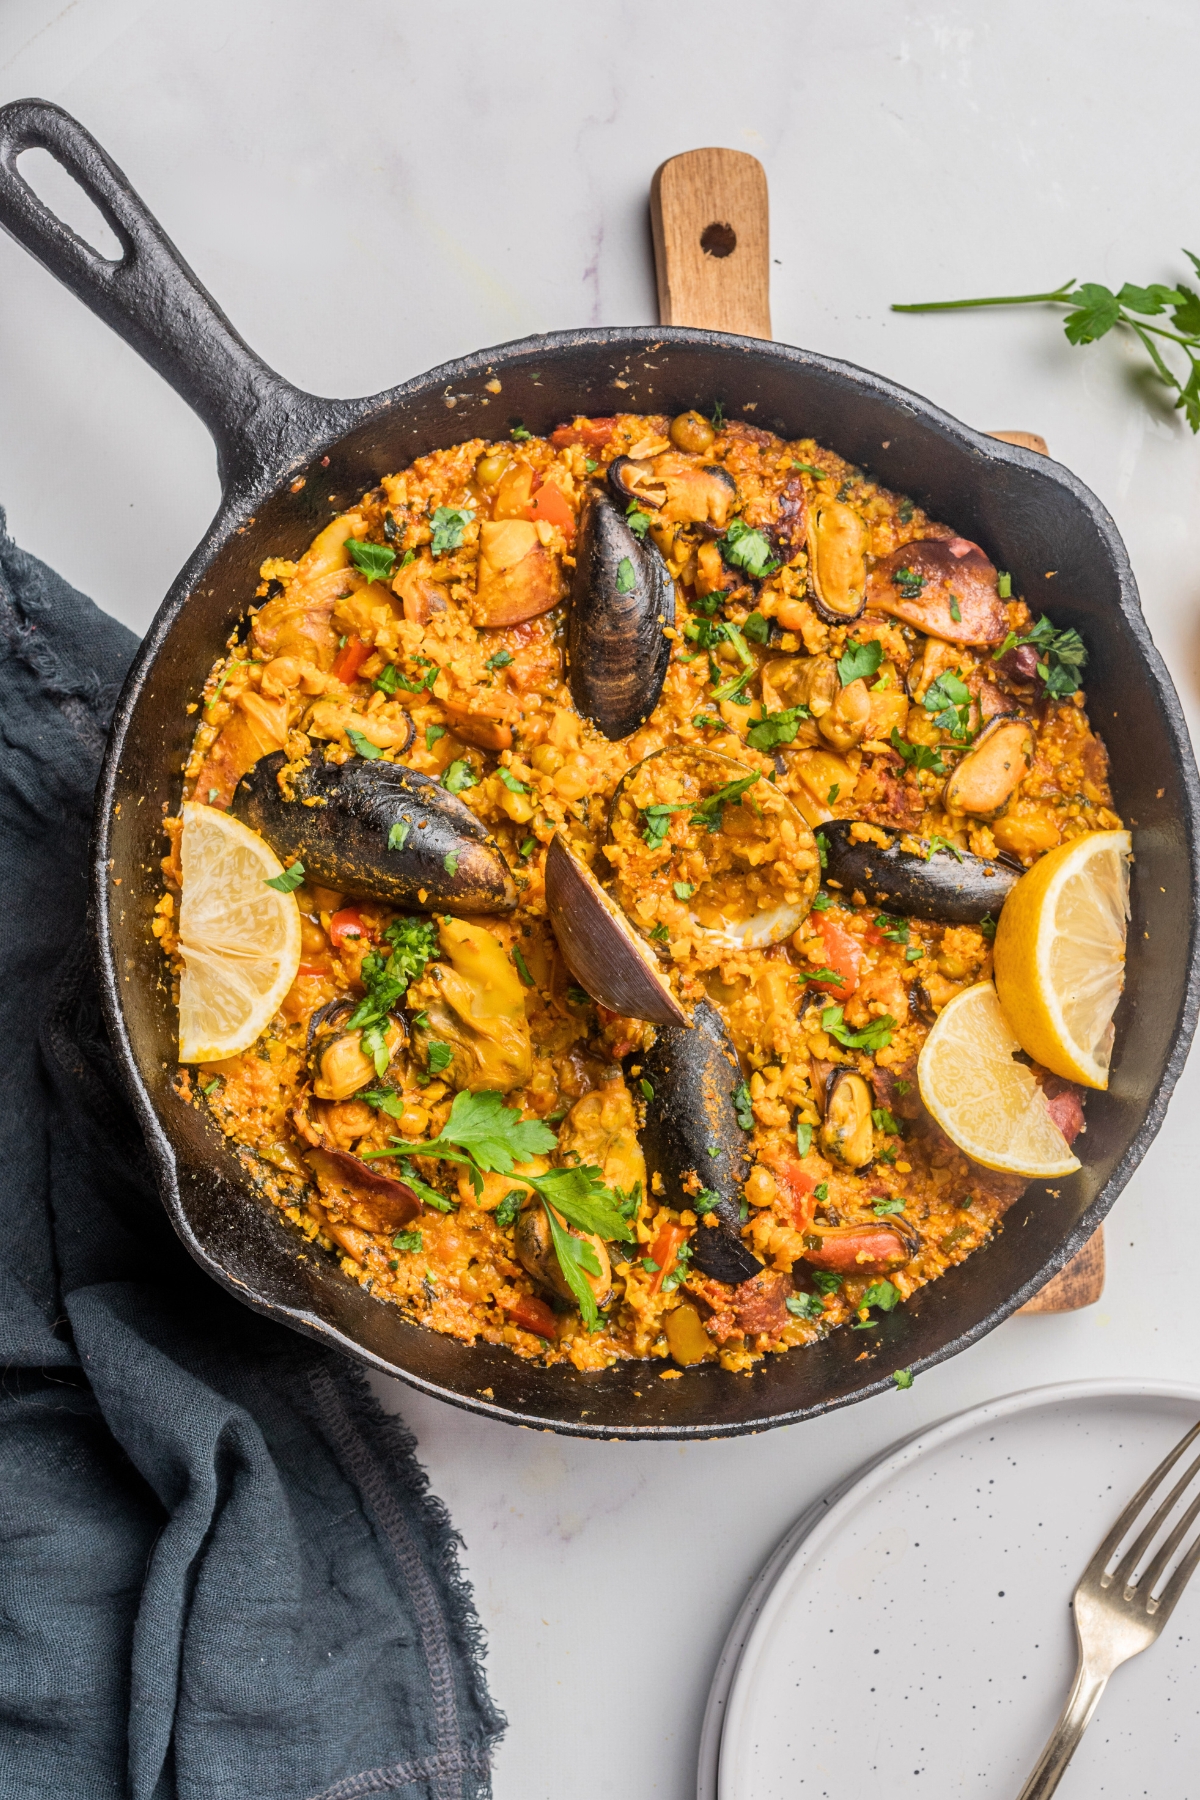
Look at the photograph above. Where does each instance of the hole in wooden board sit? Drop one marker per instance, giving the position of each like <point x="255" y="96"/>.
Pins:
<point x="61" y="194"/>
<point x="718" y="240"/>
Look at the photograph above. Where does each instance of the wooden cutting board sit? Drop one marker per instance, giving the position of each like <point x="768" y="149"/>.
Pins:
<point x="710" y="217"/>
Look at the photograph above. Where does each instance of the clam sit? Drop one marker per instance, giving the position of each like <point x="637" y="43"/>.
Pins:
<point x="377" y="829"/>
<point x="757" y="832"/>
<point x="837" y="561"/>
<point x="946" y="587"/>
<point x="603" y="951"/>
<point x="951" y="887"/>
<point x="682" y="490"/>
<point x="692" y="1129"/>
<point x="992" y="770"/>
<point x="867" y="1249"/>
<point x="372" y="1201"/>
<point x="537" y="1256"/>
<point x="621" y="599"/>
<point x="847" y="1132"/>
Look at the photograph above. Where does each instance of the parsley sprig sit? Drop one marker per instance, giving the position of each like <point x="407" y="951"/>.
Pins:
<point x="918" y="756"/>
<point x="948" y="702"/>
<point x="1094" y="310"/>
<point x="859" y="661"/>
<point x="386" y="973"/>
<point x="1062" y="655"/>
<point x="746" y="548"/>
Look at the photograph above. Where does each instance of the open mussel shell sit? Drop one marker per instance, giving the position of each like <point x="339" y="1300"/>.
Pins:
<point x="950" y="888"/>
<point x="847" y="1133"/>
<point x="379" y="830"/>
<point x="537" y="1256"/>
<point x="868" y="1249"/>
<point x="377" y="1202"/>
<point x="622" y="597"/>
<point x="692" y="1127"/>
<point x="602" y="950"/>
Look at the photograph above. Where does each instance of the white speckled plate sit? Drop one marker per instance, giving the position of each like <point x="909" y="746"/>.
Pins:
<point x="912" y="1633"/>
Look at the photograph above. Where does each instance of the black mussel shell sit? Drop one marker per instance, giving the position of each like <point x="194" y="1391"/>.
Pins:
<point x="379" y="830"/>
<point x="694" y="1071"/>
<point x="621" y="598"/>
<point x="603" y="951"/>
<point x="948" y="888"/>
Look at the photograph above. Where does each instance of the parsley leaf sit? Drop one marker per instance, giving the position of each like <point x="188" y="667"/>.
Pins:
<point x="875" y="1036"/>
<point x="459" y="776"/>
<point x="742" y="1106"/>
<point x="1063" y="655"/>
<point x="711" y="812"/>
<point x="756" y="628"/>
<point x="432" y="734"/>
<point x="440" y="1056"/>
<point x="1095" y="314"/>
<point x="859" y="661"/>
<point x="918" y="756"/>
<point x="366" y="749"/>
<point x="746" y="548"/>
<point x="948" y="701"/>
<point x="987" y="926"/>
<point x="804" y="1137"/>
<point x="408" y="1241"/>
<point x="896" y="931"/>
<point x="501" y="660"/>
<point x="509" y="1207"/>
<point x="909" y="582"/>
<point x="289" y="881"/>
<point x="776" y="728"/>
<point x="683" y="890"/>
<point x="826" y="1282"/>
<point x="519" y="434"/>
<point x="881" y="1294"/>
<point x="511" y="783"/>
<point x="375" y="561"/>
<point x="706" y="1201"/>
<point x="626" y="578"/>
<point x="823" y="975"/>
<point x="398" y="834"/>
<point x="882" y="1208"/>
<point x="449" y="523"/>
<point x="638" y="522"/>
<point x="804" y="1306"/>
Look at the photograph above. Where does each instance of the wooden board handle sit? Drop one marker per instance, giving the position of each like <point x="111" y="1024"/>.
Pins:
<point x="708" y="209"/>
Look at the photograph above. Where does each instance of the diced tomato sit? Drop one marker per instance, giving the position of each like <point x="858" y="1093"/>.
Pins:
<point x="312" y="969"/>
<point x="843" y="954"/>
<point x="664" y="1252"/>
<point x="799" y="1189"/>
<point x="531" y="1314"/>
<point x="346" y="924"/>
<point x="350" y="659"/>
<point x="592" y="432"/>
<point x="551" y="504"/>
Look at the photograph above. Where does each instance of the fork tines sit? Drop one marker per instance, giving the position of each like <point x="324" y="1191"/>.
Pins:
<point x="1138" y="1583"/>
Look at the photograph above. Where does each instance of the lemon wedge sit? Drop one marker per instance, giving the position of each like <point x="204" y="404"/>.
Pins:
<point x="987" y="1104"/>
<point x="1060" y="954"/>
<point x="239" y="938"/>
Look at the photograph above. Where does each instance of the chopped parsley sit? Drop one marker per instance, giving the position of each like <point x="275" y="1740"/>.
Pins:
<point x="638" y="522"/>
<point x="1062" y="655"/>
<point x="823" y="975"/>
<point x="955" y="609"/>
<point x="647" y="1088"/>
<point x="909" y="582"/>
<point x="882" y="1294"/>
<point x="756" y="628"/>
<point x="823" y="853"/>
<point x="366" y="749"/>
<point x="449" y="523"/>
<point x="804" y="1138"/>
<point x="858" y="661"/>
<point x="811" y="469"/>
<point x="902" y="1378"/>
<point x="905" y="512"/>
<point x="289" y="881"/>
<point x="626" y="578"/>
<point x="661" y="935"/>
<point x="500" y="660"/>
<point x="745" y="548"/>
<point x="937" y="843"/>
<point x="375" y="561"/>
<point x="519" y="434"/>
<point x="450" y="862"/>
<point x="895" y="930"/>
<point x="388" y="680"/>
<point x="826" y="1282"/>
<point x="918" y="756"/>
<point x="438" y="1056"/>
<point x="528" y="846"/>
<point x="777" y="728"/>
<point x="432" y="734"/>
<point x="804" y="1306"/>
<point x="742" y="1105"/>
<point x="948" y="702"/>
<point x="522" y="966"/>
<point x="398" y="834"/>
<point x="706" y="1201"/>
<point x="987" y="926"/>
<point x="683" y="890"/>
<point x="875" y="1036"/>
<point x="1004" y="584"/>
<point x="459" y="775"/>
<point x="408" y="1241"/>
<point x="511" y="783"/>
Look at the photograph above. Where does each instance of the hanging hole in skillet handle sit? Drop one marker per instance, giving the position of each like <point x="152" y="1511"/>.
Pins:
<point x="708" y="210"/>
<point x="147" y="292"/>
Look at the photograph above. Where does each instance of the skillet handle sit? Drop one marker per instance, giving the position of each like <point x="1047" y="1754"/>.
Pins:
<point x="151" y="297"/>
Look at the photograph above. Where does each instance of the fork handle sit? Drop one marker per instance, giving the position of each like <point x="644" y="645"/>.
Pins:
<point x="1073" y="1721"/>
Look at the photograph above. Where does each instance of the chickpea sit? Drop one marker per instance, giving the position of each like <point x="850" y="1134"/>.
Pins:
<point x="761" y="1188"/>
<point x="519" y="807"/>
<point x="692" y="431"/>
<point x="574" y="778"/>
<point x="546" y="759"/>
<point x="312" y="939"/>
<point x="413" y="1122"/>
<point x="282" y="673"/>
<point x="792" y="614"/>
<point x="348" y="1120"/>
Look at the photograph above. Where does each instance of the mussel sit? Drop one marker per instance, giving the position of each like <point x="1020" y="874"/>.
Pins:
<point x="837" y="560"/>
<point x="946" y="587"/>
<point x="992" y="770"/>
<point x="372" y="1201"/>
<point x="949" y="886"/>
<point x="537" y="1256"/>
<point x="377" y="829"/>
<point x="622" y="597"/>
<point x="681" y="490"/>
<point x="602" y="950"/>
<point x="862" y="1249"/>
<point x="340" y="1066"/>
<point x="692" y="1128"/>
<point x="847" y="1132"/>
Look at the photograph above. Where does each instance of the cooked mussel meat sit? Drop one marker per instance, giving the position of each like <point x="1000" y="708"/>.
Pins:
<point x="946" y="587"/>
<point x="868" y="1249"/>
<point x="622" y="597"/>
<point x="699" y="837"/>
<point x="837" y="560"/>
<point x="808" y="681"/>
<point x="340" y="1064"/>
<point x="536" y="1254"/>
<point x="992" y="770"/>
<point x="692" y="1130"/>
<point x="601" y="948"/>
<point x="472" y="1005"/>
<point x="947" y="885"/>
<point x="847" y="1132"/>
<point x="377" y="829"/>
<point x="681" y="491"/>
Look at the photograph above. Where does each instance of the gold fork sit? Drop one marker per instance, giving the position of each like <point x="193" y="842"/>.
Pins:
<point x="1117" y="1612"/>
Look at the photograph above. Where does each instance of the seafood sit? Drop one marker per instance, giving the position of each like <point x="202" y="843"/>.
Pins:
<point x="837" y="561"/>
<point x="944" y="883"/>
<point x="603" y="951"/>
<point x="622" y="598"/>
<point x="944" y="586"/>
<point x="379" y="829"/>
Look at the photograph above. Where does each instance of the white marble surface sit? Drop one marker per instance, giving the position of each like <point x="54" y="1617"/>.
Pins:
<point x="371" y="188"/>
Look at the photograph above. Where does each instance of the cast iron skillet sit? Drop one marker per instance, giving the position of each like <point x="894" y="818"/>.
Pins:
<point x="1031" y="516"/>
